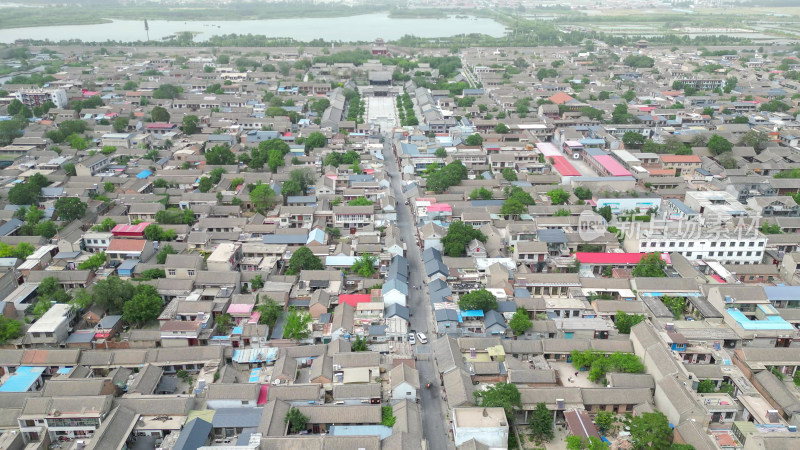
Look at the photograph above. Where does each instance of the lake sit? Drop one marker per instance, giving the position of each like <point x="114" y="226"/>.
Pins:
<point x="366" y="27"/>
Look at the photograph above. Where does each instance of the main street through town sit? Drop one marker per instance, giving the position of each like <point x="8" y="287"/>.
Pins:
<point x="433" y="419"/>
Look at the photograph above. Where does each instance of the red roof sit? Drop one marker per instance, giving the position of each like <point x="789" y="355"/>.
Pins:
<point x="263" y="393"/>
<point x="354" y="299"/>
<point x="564" y="167"/>
<point x="608" y="258"/>
<point x="126" y="245"/>
<point x="561" y="98"/>
<point x="129" y="230"/>
<point x="680" y="158"/>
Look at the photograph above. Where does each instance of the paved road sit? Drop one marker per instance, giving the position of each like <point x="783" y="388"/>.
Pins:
<point x="433" y="419"/>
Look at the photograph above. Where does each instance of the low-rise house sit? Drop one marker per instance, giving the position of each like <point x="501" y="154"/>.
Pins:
<point x="404" y="382"/>
<point x="54" y="326"/>
<point x="124" y="249"/>
<point x="487" y="426"/>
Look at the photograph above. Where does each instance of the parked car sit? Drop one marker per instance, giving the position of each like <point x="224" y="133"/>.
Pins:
<point x="422" y="338"/>
<point x="411" y="339"/>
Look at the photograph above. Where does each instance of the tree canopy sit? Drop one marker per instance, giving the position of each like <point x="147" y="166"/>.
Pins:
<point x="651" y="430"/>
<point x="651" y="265"/>
<point x="263" y="197"/>
<point x="478" y="299"/>
<point x="458" y="236"/>
<point x="450" y="175"/>
<point x="520" y="322"/>
<point x="297" y="325"/>
<point x="70" y="208"/>
<point x="220" y="155"/>
<point x="365" y="265"/>
<point x="303" y="259"/>
<point x="145" y="305"/>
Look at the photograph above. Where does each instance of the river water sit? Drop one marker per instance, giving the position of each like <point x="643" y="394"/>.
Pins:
<point x="366" y="27"/>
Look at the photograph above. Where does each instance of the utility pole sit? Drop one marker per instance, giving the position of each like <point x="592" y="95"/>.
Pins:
<point x="147" y="29"/>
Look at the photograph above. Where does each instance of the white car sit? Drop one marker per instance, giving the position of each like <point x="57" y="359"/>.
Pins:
<point x="411" y="339"/>
<point x="422" y="338"/>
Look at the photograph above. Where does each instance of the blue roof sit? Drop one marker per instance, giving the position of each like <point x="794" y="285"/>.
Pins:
<point x="193" y="436"/>
<point x="782" y="292"/>
<point x="8" y="227"/>
<point x="409" y="149"/>
<point x="128" y="264"/>
<point x="143" y="174"/>
<point x="341" y="261"/>
<point x="770" y="323"/>
<point x="396" y="309"/>
<point x="288" y="238"/>
<point x="521" y="292"/>
<point x="472" y="313"/>
<point x="236" y="417"/>
<point x="22" y="379"/>
<point x="394" y="284"/>
<point x="360" y="430"/>
<point x="316" y="235"/>
<point x="682" y="207"/>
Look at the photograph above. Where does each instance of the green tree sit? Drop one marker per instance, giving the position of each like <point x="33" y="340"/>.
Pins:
<point x="651" y="265"/>
<point x="480" y="194"/>
<point x="706" y="387"/>
<point x="297" y="325"/>
<point x="605" y="421"/>
<point x="675" y="304"/>
<point x="450" y="175"/>
<point x="605" y="213"/>
<point x="440" y="152"/>
<point x="558" y="196"/>
<point x="359" y="201"/>
<point x="69" y="168"/>
<point x="159" y="114"/>
<point x="303" y="259"/>
<point x="513" y="207"/>
<point x="295" y="420"/>
<point x="520" y="322"/>
<point x="106" y="225"/>
<point x="224" y="322"/>
<point x="718" y="144"/>
<point x="24" y="194"/>
<point x="70" y="208"/>
<point x="10" y="130"/>
<point x="501" y="395"/>
<point x="509" y="174"/>
<point x="220" y="155"/>
<point x="167" y="91"/>
<point x="478" y="299"/>
<point x="10" y="329"/>
<point x="42" y="306"/>
<point x="161" y="256"/>
<point x="153" y="274"/>
<point x="582" y="193"/>
<point x="315" y="140"/>
<point x="458" y="236"/>
<point x="625" y="321"/>
<point x="770" y="228"/>
<point x="120" y="124"/>
<point x="633" y="139"/>
<point x="758" y="140"/>
<point x="256" y="283"/>
<point x="112" y="293"/>
<point x="501" y="128"/>
<point x="474" y="140"/>
<point x="191" y="124"/>
<point x="365" y="265"/>
<point x="651" y="430"/>
<point x="270" y="311"/>
<point x="94" y="262"/>
<point x="263" y="197"/>
<point x="46" y="229"/>
<point x="205" y="184"/>
<point x="541" y="424"/>
<point x="145" y="305"/>
<point x="291" y="187"/>
<point x="359" y="345"/>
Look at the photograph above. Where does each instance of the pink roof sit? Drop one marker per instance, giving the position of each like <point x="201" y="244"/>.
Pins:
<point x="130" y="229"/>
<point x="88" y="93"/>
<point x="547" y="149"/>
<point x="573" y="144"/>
<point x="439" y="207"/>
<point x="612" y="166"/>
<point x="262" y="394"/>
<point x="718" y="278"/>
<point x="564" y="167"/>
<point x="608" y="258"/>
<point x="240" y="308"/>
<point x="160" y="126"/>
<point x="354" y="299"/>
<point x="255" y="317"/>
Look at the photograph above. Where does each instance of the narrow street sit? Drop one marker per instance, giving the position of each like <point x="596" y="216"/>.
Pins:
<point x="433" y="418"/>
